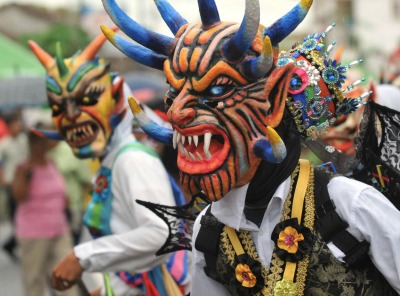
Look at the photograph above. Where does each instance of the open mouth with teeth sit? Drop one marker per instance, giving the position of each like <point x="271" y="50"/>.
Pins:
<point x="81" y="134"/>
<point x="201" y="149"/>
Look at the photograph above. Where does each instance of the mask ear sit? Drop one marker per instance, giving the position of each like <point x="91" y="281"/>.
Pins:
<point x="118" y="93"/>
<point x="52" y="135"/>
<point x="276" y="91"/>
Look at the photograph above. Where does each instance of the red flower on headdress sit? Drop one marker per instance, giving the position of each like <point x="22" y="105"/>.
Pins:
<point x="298" y="82"/>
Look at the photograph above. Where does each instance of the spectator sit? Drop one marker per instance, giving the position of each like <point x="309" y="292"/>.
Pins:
<point x="41" y="225"/>
<point x="77" y="176"/>
<point x="13" y="149"/>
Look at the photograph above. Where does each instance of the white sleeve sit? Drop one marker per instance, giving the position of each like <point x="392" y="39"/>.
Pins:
<point x="139" y="233"/>
<point x="201" y="283"/>
<point x="378" y="220"/>
<point x="371" y="217"/>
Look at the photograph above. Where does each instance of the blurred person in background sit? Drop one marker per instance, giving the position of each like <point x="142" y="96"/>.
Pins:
<point x="40" y="221"/>
<point x="13" y="150"/>
<point x="3" y="127"/>
<point x="152" y="102"/>
<point x="77" y="177"/>
<point x="89" y="106"/>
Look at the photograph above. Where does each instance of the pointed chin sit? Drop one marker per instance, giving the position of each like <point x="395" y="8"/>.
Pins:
<point x="94" y="149"/>
<point x="217" y="184"/>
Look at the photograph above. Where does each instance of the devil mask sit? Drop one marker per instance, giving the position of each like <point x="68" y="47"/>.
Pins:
<point x="225" y="96"/>
<point x="86" y="100"/>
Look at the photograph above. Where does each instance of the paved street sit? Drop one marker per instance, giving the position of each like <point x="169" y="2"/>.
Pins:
<point x="10" y="281"/>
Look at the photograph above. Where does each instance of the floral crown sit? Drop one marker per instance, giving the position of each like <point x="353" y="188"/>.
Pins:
<point x="316" y="98"/>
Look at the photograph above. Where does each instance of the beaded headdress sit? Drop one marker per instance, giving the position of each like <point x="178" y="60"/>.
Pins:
<point x="316" y="96"/>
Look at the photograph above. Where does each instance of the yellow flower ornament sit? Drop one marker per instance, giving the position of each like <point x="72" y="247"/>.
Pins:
<point x="289" y="239"/>
<point x="245" y="276"/>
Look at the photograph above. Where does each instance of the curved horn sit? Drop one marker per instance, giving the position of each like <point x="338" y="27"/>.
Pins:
<point x="52" y="135"/>
<point x="286" y="25"/>
<point x="136" y="52"/>
<point x="91" y="50"/>
<point x="154" y="41"/>
<point x="236" y="47"/>
<point x="272" y="149"/>
<point x="62" y="67"/>
<point x="208" y="12"/>
<point x="170" y="16"/>
<point x="44" y="58"/>
<point x="155" y="131"/>
<point x="257" y="67"/>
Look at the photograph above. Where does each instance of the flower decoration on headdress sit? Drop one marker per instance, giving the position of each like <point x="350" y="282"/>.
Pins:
<point x="316" y="99"/>
<point x="248" y="278"/>
<point x="292" y="240"/>
<point x="298" y="82"/>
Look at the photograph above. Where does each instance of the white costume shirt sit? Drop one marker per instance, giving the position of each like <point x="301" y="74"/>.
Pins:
<point x="137" y="232"/>
<point x="370" y="216"/>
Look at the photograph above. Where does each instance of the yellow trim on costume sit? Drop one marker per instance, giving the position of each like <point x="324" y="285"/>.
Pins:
<point x="290" y="271"/>
<point x="297" y="209"/>
<point x="301" y="188"/>
<point x="234" y="240"/>
<point x="378" y="168"/>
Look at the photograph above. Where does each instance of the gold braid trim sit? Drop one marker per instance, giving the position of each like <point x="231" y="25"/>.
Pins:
<point x="228" y="247"/>
<point x="275" y="272"/>
<point x="308" y="221"/>
<point x="277" y="265"/>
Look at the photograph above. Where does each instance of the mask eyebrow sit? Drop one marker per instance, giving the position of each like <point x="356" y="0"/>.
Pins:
<point x="220" y="68"/>
<point x="52" y="85"/>
<point x="81" y="72"/>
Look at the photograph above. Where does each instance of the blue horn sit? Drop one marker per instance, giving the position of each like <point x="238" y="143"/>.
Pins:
<point x="208" y="13"/>
<point x="236" y="47"/>
<point x="288" y="23"/>
<point x="170" y="16"/>
<point x="255" y="68"/>
<point x="136" y="52"/>
<point x="159" y="43"/>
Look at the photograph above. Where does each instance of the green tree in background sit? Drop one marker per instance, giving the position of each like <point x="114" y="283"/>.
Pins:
<point x="72" y="38"/>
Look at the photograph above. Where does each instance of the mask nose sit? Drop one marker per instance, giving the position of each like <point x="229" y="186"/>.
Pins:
<point x="182" y="110"/>
<point x="72" y="110"/>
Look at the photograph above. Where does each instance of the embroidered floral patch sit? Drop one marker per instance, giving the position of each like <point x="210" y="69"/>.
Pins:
<point x="102" y="185"/>
<point x="245" y="276"/>
<point x="248" y="280"/>
<point x="285" y="288"/>
<point x="292" y="240"/>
